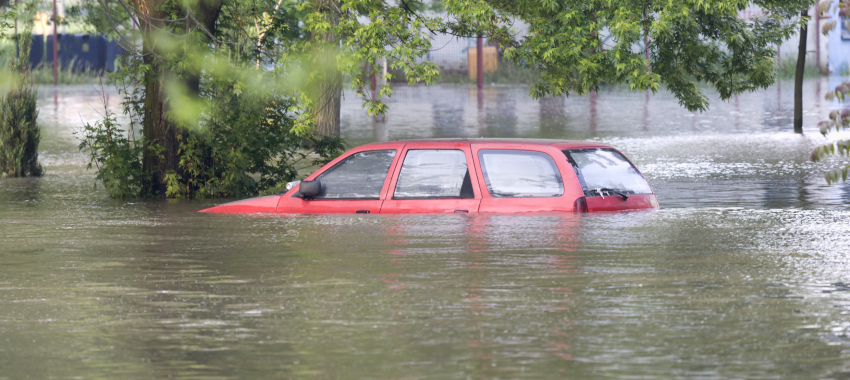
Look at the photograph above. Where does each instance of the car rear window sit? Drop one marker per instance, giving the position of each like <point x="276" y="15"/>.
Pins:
<point x="433" y="173"/>
<point x="602" y="169"/>
<point x="520" y="173"/>
<point x="359" y="176"/>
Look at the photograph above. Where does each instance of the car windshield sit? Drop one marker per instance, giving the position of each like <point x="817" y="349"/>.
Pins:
<point x="603" y="171"/>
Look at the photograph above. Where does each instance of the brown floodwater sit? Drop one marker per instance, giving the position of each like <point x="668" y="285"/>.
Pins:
<point x="744" y="272"/>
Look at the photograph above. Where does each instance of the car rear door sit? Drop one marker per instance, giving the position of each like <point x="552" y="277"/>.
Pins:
<point x="524" y="178"/>
<point x="353" y="183"/>
<point x="433" y="177"/>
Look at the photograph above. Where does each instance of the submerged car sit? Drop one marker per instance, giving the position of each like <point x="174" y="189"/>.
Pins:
<point x="464" y="176"/>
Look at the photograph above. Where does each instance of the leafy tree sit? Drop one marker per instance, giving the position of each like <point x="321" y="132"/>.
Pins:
<point x="215" y="85"/>
<point x="349" y="37"/>
<point x="214" y="121"/>
<point x="688" y="41"/>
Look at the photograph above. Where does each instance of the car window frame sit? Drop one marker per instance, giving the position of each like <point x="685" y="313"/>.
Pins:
<point x="337" y="161"/>
<point x="471" y="164"/>
<point x="469" y="170"/>
<point x="483" y="182"/>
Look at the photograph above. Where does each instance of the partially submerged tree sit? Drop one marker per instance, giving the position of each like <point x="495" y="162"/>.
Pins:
<point x="215" y="121"/>
<point x="799" y="73"/>
<point x="229" y="91"/>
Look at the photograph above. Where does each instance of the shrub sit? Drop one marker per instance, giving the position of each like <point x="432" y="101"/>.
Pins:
<point x="116" y="156"/>
<point x="242" y="143"/>
<point x="19" y="133"/>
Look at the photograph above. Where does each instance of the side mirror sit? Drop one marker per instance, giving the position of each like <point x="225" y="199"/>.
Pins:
<point x="309" y="189"/>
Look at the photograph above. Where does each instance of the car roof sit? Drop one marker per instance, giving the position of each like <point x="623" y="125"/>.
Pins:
<point x="560" y="144"/>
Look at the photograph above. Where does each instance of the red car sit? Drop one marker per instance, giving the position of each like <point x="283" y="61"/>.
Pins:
<point x="464" y="176"/>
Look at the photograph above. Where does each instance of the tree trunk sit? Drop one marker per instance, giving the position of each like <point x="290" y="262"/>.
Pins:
<point x="798" y="77"/>
<point x="162" y="153"/>
<point x="207" y="13"/>
<point x="327" y="90"/>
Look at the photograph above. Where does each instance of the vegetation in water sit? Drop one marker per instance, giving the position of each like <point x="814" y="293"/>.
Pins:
<point x="19" y="130"/>
<point x="245" y="145"/>
<point x="207" y="116"/>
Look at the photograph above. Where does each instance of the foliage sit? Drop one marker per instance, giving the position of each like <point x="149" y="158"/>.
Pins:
<point x="575" y="45"/>
<point x="19" y="130"/>
<point x="688" y="41"/>
<point x="19" y="133"/>
<point x="368" y="31"/>
<point x="239" y="78"/>
<point x="234" y="130"/>
<point x="6" y="18"/>
<point x="246" y="144"/>
<point x="116" y="156"/>
<point x="838" y="120"/>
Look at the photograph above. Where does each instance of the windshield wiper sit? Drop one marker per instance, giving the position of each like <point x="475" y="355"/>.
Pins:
<point x="603" y="190"/>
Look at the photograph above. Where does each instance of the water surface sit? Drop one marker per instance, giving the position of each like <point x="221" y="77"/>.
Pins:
<point x="743" y="272"/>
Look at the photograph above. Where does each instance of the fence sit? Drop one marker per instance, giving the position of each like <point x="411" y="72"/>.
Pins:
<point x="77" y="52"/>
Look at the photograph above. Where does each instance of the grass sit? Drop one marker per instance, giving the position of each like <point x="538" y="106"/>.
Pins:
<point x="788" y="68"/>
<point x="506" y="73"/>
<point x="43" y="74"/>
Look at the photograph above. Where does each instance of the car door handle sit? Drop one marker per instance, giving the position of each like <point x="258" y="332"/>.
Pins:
<point x="361" y="212"/>
<point x="460" y="211"/>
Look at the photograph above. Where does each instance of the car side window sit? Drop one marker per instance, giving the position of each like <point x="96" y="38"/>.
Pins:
<point x="434" y="174"/>
<point x="359" y="176"/>
<point x="520" y="173"/>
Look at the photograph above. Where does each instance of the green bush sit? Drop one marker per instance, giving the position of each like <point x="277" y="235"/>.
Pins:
<point x="19" y="133"/>
<point x="118" y="158"/>
<point x="245" y="144"/>
<point x="241" y="143"/>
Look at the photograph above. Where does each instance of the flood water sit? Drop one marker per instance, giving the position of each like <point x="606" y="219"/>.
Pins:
<point x="744" y="272"/>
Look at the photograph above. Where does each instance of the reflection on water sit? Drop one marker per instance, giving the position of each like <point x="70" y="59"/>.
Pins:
<point x="743" y="273"/>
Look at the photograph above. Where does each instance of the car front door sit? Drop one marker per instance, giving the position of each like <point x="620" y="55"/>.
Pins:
<point x="352" y="184"/>
<point x="434" y="178"/>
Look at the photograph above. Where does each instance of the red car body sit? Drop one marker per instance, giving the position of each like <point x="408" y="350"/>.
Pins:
<point x="524" y="155"/>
